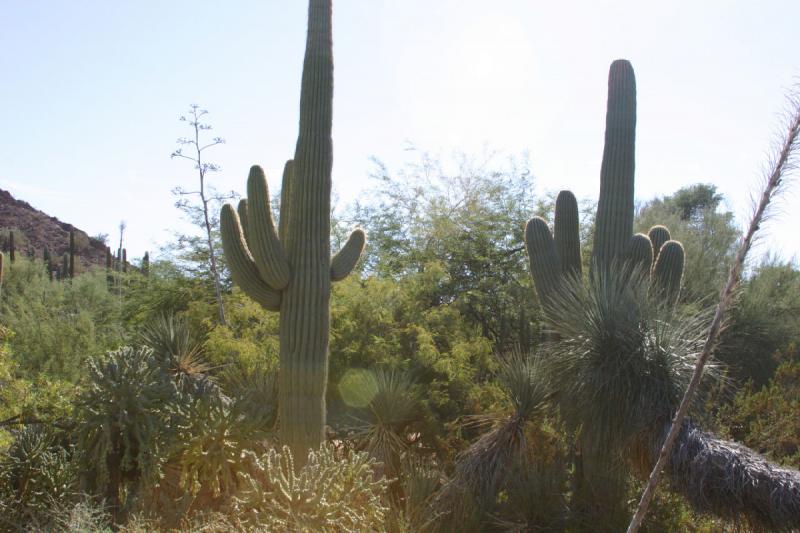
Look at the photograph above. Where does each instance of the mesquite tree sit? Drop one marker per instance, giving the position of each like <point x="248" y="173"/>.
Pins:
<point x="290" y="270"/>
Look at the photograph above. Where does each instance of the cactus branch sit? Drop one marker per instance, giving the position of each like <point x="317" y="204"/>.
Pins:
<point x="566" y="233"/>
<point x="543" y="257"/>
<point x="262" y="239"/>
<point x="243" y="269"/>
<point x="345" y="260"/>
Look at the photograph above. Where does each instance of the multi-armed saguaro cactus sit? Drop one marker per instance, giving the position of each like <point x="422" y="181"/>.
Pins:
<point x="552" y="256"/>
<point x="290" y="270"/>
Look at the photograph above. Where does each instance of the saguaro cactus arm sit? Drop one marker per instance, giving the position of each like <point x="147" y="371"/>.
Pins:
<point x="261" y="236"/>
<point x="658" y="236"/>
<point x="286" y="195"/>
<point x="544" y="262"/>
<point x="345" y="260"/>
<point x="566" y="233"/>
<point x="640" y="252"/>
<point x="243" y="268"/>
<point x="242" y="210"/>
<point x="668" y="271"/>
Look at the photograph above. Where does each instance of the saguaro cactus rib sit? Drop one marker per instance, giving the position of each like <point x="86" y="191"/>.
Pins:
<point x="345" y="260"/>
<point x="292" y="271"/>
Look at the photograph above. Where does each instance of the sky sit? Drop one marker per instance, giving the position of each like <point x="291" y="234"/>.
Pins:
<point x="91" y="93"/>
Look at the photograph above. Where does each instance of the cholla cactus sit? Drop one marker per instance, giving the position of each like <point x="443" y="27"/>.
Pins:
<point x="290" y="270"/>
<point x="552" y="256"/>
<point x="327" y="494"/>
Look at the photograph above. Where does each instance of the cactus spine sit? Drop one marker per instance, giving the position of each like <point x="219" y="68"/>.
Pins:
<point x="290" y="270"/>
<point x="553" y="255"/>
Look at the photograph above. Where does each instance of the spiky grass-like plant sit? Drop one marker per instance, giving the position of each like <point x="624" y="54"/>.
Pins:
<point x="413" y="510"/>
<point x="621" y="358"/>
<point x="482" y="469"/>
<point x="382" y="424"/>
<point x="170" y="338"/>
<point x="327" y="494"/>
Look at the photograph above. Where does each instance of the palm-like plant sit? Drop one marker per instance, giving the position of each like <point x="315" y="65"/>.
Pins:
<point x="620" y="357"/>
<point x="170" y="338"/>
<point x="386" y="408"/>
<point x="482" y="469"/>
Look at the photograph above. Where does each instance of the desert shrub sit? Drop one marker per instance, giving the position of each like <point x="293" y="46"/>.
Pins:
<point x="249" y="338"/>
<point x="764" y="322"/>
<point x="57" y="325"/>
<point x="766" y="419"/>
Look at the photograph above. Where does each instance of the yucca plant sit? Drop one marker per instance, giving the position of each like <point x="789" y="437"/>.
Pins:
<point x="171" y="339"/>
<point x="620" y="359"/>
<point x="413" y="509"/>
<point x="482" y="470"/>
<point x="385" y="408"/>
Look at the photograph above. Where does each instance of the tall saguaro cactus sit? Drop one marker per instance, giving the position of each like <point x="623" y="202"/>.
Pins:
<point x="553" y="255"/>
<point x="290" y="270"/>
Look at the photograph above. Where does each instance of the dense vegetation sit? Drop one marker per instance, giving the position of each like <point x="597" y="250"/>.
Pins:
<point x="429" y="359"/>
<point x="457" y="380"/>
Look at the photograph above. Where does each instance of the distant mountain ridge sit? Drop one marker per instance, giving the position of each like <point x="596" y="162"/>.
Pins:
<point x="34" y="230"/>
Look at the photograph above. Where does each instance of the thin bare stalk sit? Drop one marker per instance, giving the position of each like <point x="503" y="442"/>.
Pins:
<point x="784" y="161"/>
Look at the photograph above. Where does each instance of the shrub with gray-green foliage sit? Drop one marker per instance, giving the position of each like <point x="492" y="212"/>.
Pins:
<point x="127" y="413"/>
<point x="328" y="494"/>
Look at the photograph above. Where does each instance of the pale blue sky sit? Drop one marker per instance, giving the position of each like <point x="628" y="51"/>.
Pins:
<point x="91" y="92"/>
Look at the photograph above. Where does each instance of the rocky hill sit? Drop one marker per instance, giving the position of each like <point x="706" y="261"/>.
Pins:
<point x="35" y="230"/>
